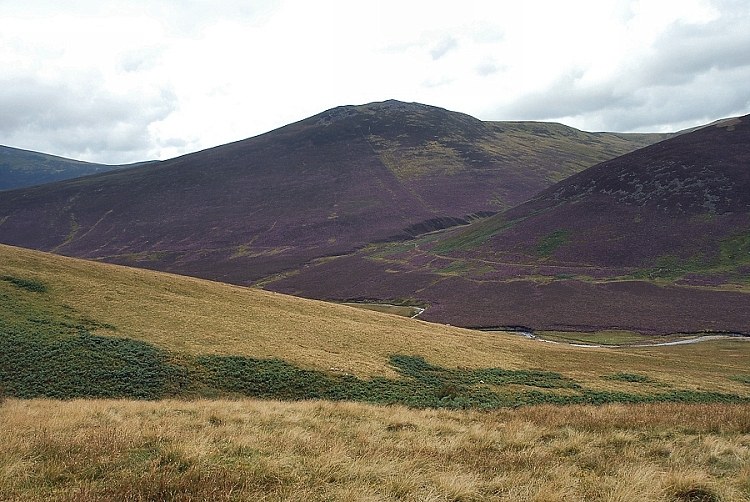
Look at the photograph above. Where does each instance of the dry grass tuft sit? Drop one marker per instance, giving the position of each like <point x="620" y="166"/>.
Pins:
<point x="267" y="450"/>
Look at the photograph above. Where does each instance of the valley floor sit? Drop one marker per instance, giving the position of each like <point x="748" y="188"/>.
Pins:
<point x="314" y="450"/>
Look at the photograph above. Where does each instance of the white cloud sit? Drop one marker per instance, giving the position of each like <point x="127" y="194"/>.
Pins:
<point x="124" y="80"/>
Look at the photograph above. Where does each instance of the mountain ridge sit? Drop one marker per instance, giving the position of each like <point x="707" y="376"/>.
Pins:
<point x="21" y="168"/>
<point x="323" y="186"/>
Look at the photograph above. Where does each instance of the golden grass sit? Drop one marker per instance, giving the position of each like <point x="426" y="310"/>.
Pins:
<point x="263" y="450"/>
<point x="193" y="316"/>
<point x="87" y="450"/>
<point x="431" y="158"/>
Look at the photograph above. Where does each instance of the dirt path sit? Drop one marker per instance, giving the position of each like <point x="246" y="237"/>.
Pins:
<point x="684" y="341"/>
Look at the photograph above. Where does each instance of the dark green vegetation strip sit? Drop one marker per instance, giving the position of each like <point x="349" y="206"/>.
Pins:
<point x="49" y="351"/>
<point x="420" y="370"/>
<point x="423" y="385"/>
<point x="551" y="242"/>
<point x="629" y="377"/>
<point x="734" y="252"/>
<point x="27" y="284"/>
<point x="83" y="365"/>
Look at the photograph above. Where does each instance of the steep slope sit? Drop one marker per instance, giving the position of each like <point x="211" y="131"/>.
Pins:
<point x="325" y="186"/>
<point x="23" y="168"/>
<point x="657" y="240"/>
<point x="73" y="328"/>
<point x="685" y="201"/>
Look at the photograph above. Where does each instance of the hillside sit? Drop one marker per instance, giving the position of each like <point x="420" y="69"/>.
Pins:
<point x="23" y="168"/>
<point x="325" y="186"/>
<point x="657" y="241"/>
<point x="119" y="340"/>
<point x="73" y="328"/>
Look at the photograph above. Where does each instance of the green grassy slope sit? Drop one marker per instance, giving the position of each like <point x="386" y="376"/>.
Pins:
<point x="71" y="328"/>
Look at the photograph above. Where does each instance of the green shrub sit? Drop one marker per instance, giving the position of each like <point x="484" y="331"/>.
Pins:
<point x="32" y="285"/>
<point x="629" y="377"/>
<point x="551" y="242"/>
<point x="85" y="365"/>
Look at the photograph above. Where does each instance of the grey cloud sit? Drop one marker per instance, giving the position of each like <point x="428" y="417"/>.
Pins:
<point x="486" y="33"/>
<point x="437" y="49"/>
<point x="79" y="120"/>
<point x="443" y="47"/>
<point x="188" y="17"/>
<point x="711" y="98"/>
<point x="184" y="18"/>
<point x="686" y="50"/>
<point x="566" y="97"/>
<point x="143" y="58"/>
<point x="692" y="73"/>
<point x="487" y="68"/>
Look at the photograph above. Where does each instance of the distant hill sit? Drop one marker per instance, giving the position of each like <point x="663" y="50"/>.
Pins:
<point x="23" y="168"/>
<point x="657" y="240"/>
<point x="325" y="186"/>
<point x="678" y="200"/>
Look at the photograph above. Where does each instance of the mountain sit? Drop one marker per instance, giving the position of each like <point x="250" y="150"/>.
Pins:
<point x="680" y="201"/>
<point x="325" y="186"/>
<point x="23" y="168"/>
<point x="657" y="240"/>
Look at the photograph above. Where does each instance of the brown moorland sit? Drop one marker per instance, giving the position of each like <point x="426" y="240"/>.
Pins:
<point x="314" y="451"/>
<point x="190" y="317"/>
<point x="239" y="449"/>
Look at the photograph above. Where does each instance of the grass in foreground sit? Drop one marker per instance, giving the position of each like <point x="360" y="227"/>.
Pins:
<point x="314" y="451"/>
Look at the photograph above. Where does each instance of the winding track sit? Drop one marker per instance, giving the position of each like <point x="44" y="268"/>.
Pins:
<point x="685" y="341"/>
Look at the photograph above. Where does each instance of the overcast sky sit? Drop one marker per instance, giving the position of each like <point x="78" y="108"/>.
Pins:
<point x="122" y="81"/>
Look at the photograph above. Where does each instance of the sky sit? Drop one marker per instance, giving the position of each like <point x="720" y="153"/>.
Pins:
<point x="115" y="81"/>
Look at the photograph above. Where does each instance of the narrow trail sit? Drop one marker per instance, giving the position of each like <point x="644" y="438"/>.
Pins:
<point x="683" y="341"/>
<point x="417" y="310"/>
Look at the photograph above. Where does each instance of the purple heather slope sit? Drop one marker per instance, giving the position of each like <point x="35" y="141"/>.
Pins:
<point x="657" y="240"/>
<point x="325" y="186"/>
